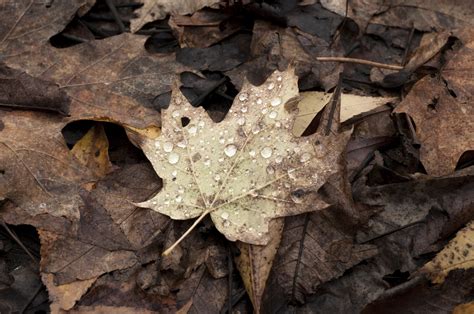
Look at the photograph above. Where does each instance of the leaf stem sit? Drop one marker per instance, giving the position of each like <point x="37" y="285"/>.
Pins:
<point x="171" y="248"/>
<point x="361" y="61"/>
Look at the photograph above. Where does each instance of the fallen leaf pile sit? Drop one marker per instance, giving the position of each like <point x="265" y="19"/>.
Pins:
<point x="165" y="156"/>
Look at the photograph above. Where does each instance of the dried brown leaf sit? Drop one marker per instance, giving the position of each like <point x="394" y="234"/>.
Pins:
<point x="255" y="262"/>
<point x="442" y="103"/>
<point x="153" y="10"/>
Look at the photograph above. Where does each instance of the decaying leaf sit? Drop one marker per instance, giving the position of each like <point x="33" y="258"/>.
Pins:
<point x="444" y="103"/>
<point x="158" y="9"/>
<point x="312" y="103"/>
<point x="92" y="151"/>
<point x="255" y="262"/>
<point x="64" y="297"/>
<point x="27" y="24"/>
<point x="458" y="254"/>
<point x="245" y="170"/>
<point x="196" y="290"/>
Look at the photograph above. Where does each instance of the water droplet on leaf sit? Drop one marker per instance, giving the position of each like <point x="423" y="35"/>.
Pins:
<point x="173" y="158"/>
<point x="266" y="152"/>
<point x="305" y="157"/>
<point x="275" y="102"/>
<point x="243" y="96"/>
<point x="168" y="147"/>
<point x="230" y="150"/>
<point x="273" y="115"/>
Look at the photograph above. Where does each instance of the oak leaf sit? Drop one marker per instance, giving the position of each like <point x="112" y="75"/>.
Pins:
<point x="245" y="170"/>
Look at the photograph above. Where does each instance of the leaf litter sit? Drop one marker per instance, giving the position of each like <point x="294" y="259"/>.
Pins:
<point x="373" y="224"/>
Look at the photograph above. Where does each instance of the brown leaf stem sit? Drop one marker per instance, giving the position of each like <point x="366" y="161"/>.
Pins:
<point x="171" y="248"/>
<point x="360" y="61"/>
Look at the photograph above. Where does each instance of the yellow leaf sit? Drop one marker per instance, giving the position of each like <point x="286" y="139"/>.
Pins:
<point x="458" y="254"/>
<point x="92" y="151"/>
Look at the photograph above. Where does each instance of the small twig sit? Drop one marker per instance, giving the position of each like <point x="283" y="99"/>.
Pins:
<point x="407" y="48"/>
<point x="116" y="16"/>
<point x="15" y="237"/>
<point x="171" y="248"/>
<point x="360" y="61"/>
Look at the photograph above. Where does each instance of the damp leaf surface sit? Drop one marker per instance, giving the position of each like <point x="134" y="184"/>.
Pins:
<point x="245" y="170"/>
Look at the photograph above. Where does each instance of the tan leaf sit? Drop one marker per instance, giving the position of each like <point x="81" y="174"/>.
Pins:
<point x="92" y="151"/>
<point x="465" y="308"/>
<point x="153" y="10"/>
<point x="255" y="262"/>
<point x="312" y="103"/>
<point x="245" y="170"/>
<point x="64" y="297"/>
<point x="444" y="104"/>
<point x="458" y="254"/>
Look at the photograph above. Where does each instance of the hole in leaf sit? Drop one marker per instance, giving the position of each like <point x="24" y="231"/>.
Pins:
<point x="433" y="104"/>
<point x="466" y="160"/>
<point x="121" y="150"/>
<point x="185" y="121"/>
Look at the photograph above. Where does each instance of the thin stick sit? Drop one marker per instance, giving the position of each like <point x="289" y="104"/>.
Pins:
<point x="361" y="61"/>
<point x="171" y="248"/>
<point x="116" y="15"/>
<point x="18" y="241"/>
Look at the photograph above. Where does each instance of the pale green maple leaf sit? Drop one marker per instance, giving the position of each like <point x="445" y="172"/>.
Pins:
<point x="245" y="170"/>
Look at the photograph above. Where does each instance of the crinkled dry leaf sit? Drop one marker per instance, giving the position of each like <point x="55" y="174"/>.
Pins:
<point x="255" y="262"/>
<point x="153" y="10"/>
<point x="27" y="24"/>
<point x="458" y="254"/>
<point x="312" y="103"/>
<point x="245" y="170"/>
<point x="443" y="103"/>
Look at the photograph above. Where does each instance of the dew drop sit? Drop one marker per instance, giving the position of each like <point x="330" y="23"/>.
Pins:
<point x="173" y="158"/>
<point x="266" y="152"/>
<point x="252" y="153"/>
<point x="241" y="121"/>
<point x="243" y="96"/>
<point x="230" y="150"/>
<point x="275" y="102"/>
<point x="175" y="114"/>
<point x="277" y="124"/>
<point x="271" y="86"/>
<point x="157" y="144"/>
<point x="168" y="147"/>
<point x="217" y="177"/>
<point x="201" y="124"/>
<point x="259" y="101"/>
<point x="226" y="223"/>
<point x="264" y="110"/>
<point x="273" y="115"/>
<point x="174" y="173"/>
<point x="305" y="157"/>
<point x="255" y="129"/>
<point x="178" y="199"/>
<point x="221" y="140"/>
<point x="192" y="130"/>
<point x="244" y="109"/>
<point x="270" y="170"/>
<point x="278" y="159"/>
<point x="178" y="101"/>
<point x="292" y="174"/>
<point x="220" y="160"/>
<point x="279" y="78"/>
<point x="297" y="149"/>
<point x="225" y="215"/>
<point x="207" y="162"/>
<point x="181" y="144"/>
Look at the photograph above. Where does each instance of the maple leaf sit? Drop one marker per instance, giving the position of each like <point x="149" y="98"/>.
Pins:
<point x="245" y="170"/>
